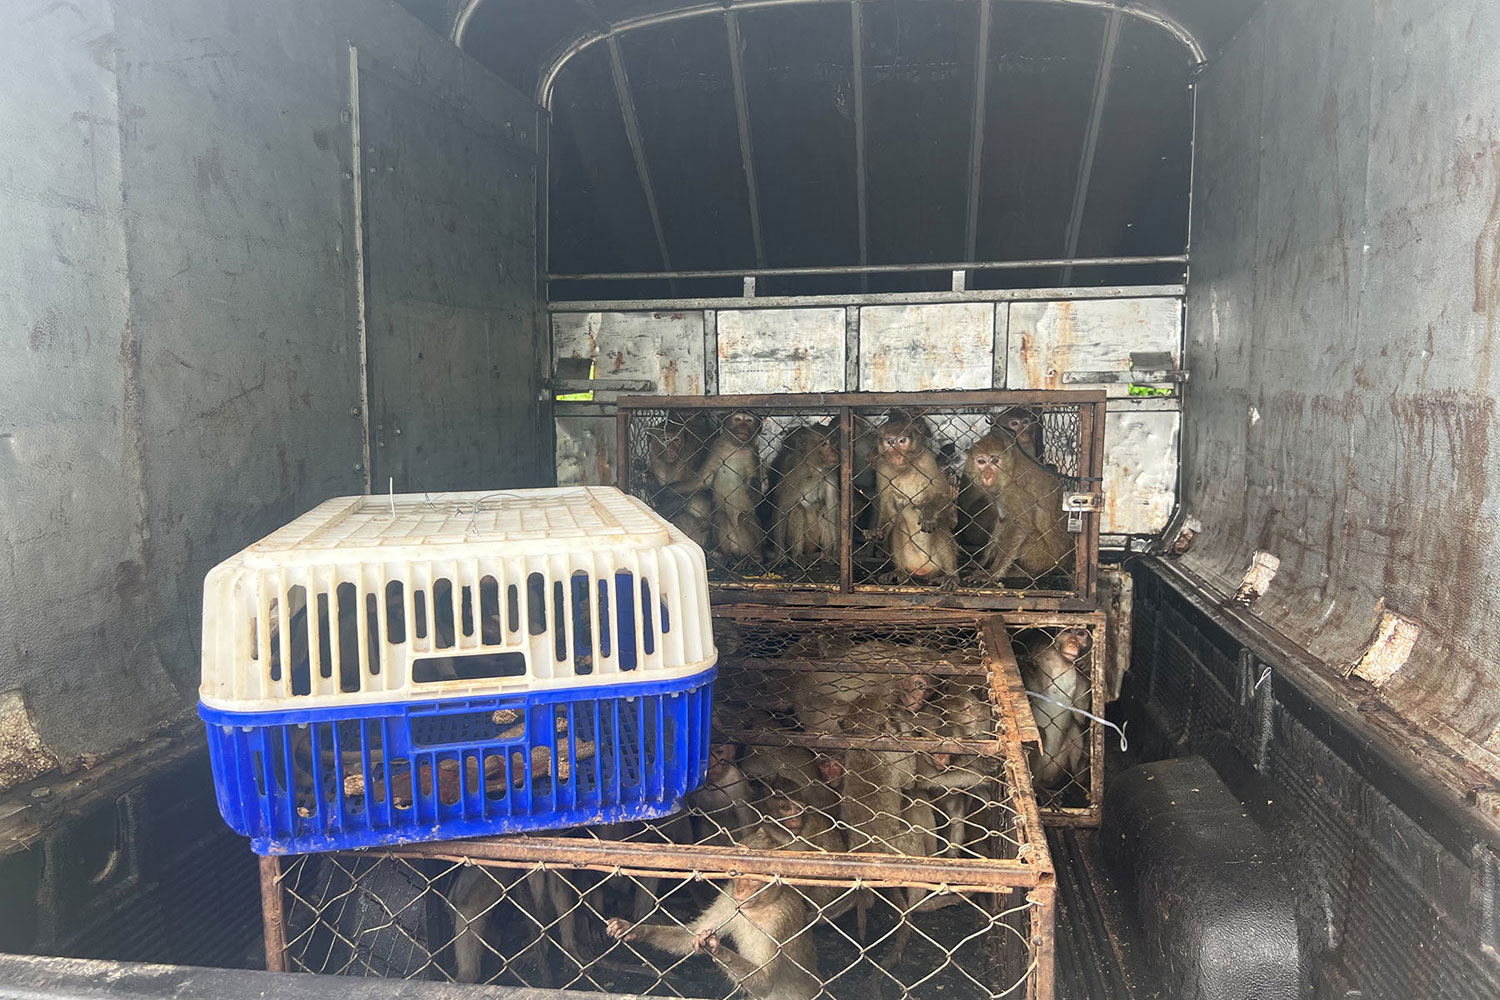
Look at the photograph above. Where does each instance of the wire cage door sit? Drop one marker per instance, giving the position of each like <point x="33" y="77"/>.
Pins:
<point x="973" y="499"/>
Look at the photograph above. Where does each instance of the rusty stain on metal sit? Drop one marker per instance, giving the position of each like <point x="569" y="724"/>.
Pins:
<point x="273" y="914"/>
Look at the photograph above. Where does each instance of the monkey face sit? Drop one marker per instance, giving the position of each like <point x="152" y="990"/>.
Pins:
<point x="1073" y="642"/>
<point x="828" y="455"/>
<point x="1017" y="424"/>
<point x="720" y="758"/>
<point x="744" y="426"/>
<point x="786" y="812"/>
<point x="984" y="468"/>
<point x="895" y="446"/>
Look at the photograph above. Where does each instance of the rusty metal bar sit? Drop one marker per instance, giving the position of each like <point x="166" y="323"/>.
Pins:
<point x="861" y="190"/>
<point x="1005" y="682"/>
<point x="846" y="502"/>
<point x="624" y="474"/>
<point x="637" y="145"/>
<point x="936" y="668"/>
<point x="742" y="119"/>
<point x="976" y="874"/>
<point x="878" y="596"/>
<point x="760" y="737"/>
<point x="273" y="914"/>
<point x="1043" y="984"/>
<point x="832" y="400"/>
<point x="1091" y="135"/>
<point x="846" y="269"/>
<point x="1008" y="697"/>
<point x="1083" y="555"/>
<point x="1093" y="418"/>
<point x="976" y="125"/>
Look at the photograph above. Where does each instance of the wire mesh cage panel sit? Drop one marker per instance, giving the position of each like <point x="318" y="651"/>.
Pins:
<point x="960" y="499"/>
<point x="848" y="842"/>
<point x="1061" y="662"/>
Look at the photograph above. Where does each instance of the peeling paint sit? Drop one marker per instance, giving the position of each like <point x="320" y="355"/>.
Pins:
<point x="23" y="755"/>
<point x="1263" y="567"/>
<point x="1395" y="638"/>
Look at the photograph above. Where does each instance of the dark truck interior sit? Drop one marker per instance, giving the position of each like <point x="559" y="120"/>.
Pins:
<point x="267" y="254"/>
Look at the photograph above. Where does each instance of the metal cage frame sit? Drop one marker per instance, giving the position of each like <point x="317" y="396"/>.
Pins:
<point x="1029" y="874"/>
<point x="851" y="593"/>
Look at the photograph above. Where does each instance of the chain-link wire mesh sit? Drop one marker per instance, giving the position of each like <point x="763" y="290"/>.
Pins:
<point x="867" y="828"/>
<point x="965" y="498"/>
<point x="1061" y="661"/>
<point x="969" y="499"/>
<point x="663" y="933"/>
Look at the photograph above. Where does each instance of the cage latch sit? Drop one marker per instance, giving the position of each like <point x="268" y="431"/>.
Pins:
<point x="1078" y="504"/>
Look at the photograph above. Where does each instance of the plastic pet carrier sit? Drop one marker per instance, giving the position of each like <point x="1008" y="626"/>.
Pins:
<point x="386" y="670"/>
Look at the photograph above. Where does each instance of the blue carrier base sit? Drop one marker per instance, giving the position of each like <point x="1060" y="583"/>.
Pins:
<point x="339" y="778"/>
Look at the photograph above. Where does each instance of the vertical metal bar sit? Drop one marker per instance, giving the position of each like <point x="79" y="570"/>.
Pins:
<point x="1043" y="941"/>
<point x="1091" y="136"/>
<point x="357" y="181"/>
<point x="976" y="125"/>
<point x="637" y="146"/>
<point x="1096" y="473"/>
<point x="541" y="176"/>
<point x="1001" y="340"/>
<point x="273" y="913"/>
<point x="710" y="352"/>
<point x="851" y="348"/>
<point x="742" y="118"/>
<point x="623" y="478"/>
<point x="846" y="500"/>
<point x="861" y="194"/>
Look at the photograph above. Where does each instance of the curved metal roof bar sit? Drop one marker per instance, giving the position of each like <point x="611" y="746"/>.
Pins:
<point x="1139" y="12"/>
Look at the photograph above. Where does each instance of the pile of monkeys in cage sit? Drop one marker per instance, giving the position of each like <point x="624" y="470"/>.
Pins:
<point x="1005" y="515"/>
<point x="772" y="794"/>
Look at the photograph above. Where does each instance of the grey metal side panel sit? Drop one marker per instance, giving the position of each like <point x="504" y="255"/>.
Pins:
<point x="1346" y="406"/>
<point x="75" y="545"/>
<point x="181" y="371"/>
<point x="450" y="310"/>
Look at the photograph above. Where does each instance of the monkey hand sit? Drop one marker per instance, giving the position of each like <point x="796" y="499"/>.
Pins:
<point x="619" y="929"/>
<point x="706" y="942"/>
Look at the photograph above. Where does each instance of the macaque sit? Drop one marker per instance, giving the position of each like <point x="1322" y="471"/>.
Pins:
<point x="724" y="798"/>
<point x="673" y="452"/>
<point x="769" y="951"/>
<point x="1024" y="424"/>
<point x="959" y="711"/>
<point x="1022" y="500"/>
<point x="807" y="495"/>
<point x="790" y="771"/>
<point x="1058" y="668"/>
<point x="914" y="502"/>
<point x="885" y="814"/>
<point x="732" y="474"/>
<point x="832" y="701"/>
<point x="477" y="893"/>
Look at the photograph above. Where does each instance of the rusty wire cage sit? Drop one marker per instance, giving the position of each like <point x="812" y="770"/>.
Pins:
<point x="786" y="496"/>
<point x="1064" y="747"/>
<point x="898" y="837"/>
